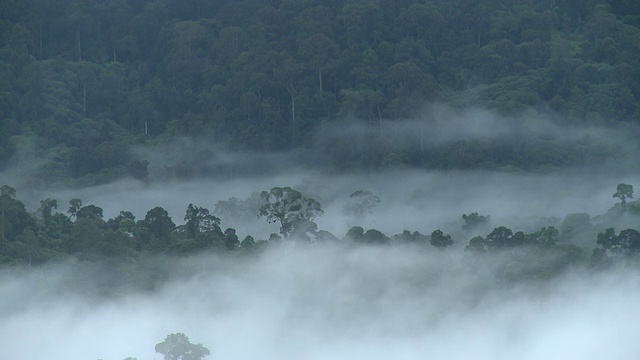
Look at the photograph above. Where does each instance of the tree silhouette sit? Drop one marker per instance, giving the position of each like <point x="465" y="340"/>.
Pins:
<point x="624" y="192"/>
<point x="178" y="347"/>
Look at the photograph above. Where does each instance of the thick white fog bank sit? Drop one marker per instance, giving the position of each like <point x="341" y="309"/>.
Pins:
<point x="410" y="199"/>
<point x="326" y="302"/>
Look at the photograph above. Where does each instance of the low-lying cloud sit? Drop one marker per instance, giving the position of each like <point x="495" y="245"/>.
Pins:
<point x="324" y="302"/>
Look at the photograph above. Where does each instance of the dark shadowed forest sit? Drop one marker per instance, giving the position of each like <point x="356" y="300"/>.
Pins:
<point x="87" y="83"/>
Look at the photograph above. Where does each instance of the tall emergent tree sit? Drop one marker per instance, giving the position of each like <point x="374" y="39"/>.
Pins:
<point x="624" y="192"/>
<point x="290" y="208"/>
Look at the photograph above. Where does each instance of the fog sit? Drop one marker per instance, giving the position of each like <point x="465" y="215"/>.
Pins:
<point x="333" y="301"/>
<point x="324" y="302"/>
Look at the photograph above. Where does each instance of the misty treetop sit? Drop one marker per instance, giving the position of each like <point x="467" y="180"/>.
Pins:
<point x="178" y="347"/>
<point x="84" y="81"/>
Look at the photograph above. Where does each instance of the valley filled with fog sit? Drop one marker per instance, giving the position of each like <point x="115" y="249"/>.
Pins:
<point x="335" y="300"/>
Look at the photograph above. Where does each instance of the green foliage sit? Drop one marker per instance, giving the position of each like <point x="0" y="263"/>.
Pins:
<point x="373" y="236"/>
<point x="200" y="222"/>
<point x="477" y="245"/>
<point x="408" y="237"/>
<point x="290" y="208"/>
<point x="14" y="217"/>
<point x="473" y="221"/>
<point x="355" y="234"/>
<point x="624" y="192"/>
<point x="627" y="243"/>
<point x="231" y="240"/>
<point x="159" y="227"/>
<point x="500" y="238"/>
<point x="545" y="237"/>
<point x="439" y="240"/>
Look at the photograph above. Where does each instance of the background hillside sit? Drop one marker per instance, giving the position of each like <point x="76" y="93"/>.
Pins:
<point x="83" y="83"/>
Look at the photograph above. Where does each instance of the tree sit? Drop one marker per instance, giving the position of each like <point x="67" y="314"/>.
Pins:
<point x="627" y="243"/>
<point x="439" y="240"/>
<point x="178" y="347"/>
<point x="248" y="243"/>
<point x="231" y="240"/>
<point x="159" y="224"/>
<point x="499" y="238"/>
<point x="546" y="237"/>
<point x="409" y="237"/>
<point x="624" y="192"/>
<point x="288" y="207"/>
<point x="373" y="236"/>
<point x="607" y="239"/>
<point x="361" y="202"/>
<point x="91" y="211"/>
<point x="200" y="221"/>
<point x="473" y="220"/>
<point x="477" y="245"/>
<point x="29" y="245"/>
<point x="74" y="206"/>
<point x="354" y="234"/>
<point x="45" y="209"/>
<point x="14" y="217"/>
<point x="629" y="240"/>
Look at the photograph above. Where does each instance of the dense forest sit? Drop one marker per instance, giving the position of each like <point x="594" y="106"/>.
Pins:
<point x="84" y="83"/>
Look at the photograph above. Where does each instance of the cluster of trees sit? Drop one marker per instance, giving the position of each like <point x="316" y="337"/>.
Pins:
<point x="82" y="233"/>
<point x="84" y="80"/>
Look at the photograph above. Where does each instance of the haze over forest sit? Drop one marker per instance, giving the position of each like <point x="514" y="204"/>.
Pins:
<point x="319" y="180"/>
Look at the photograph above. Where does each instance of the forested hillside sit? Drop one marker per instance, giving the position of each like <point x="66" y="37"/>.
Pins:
<point x="84" y="81"/>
